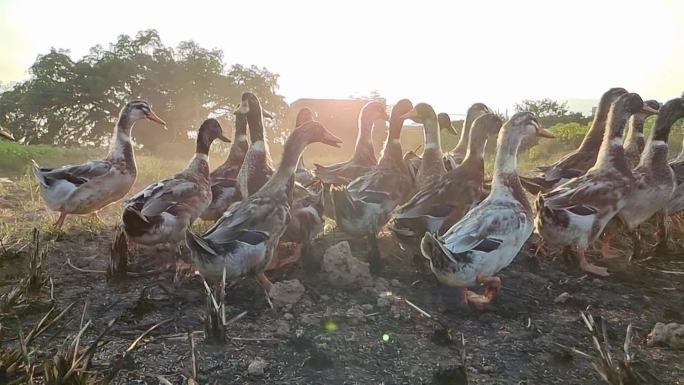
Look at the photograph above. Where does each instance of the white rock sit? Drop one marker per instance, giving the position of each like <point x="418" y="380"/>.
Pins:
<point x="671" y="335"/>
<point x="286" y="292"/>
<point x="257" y="367"/>
<point x="342" y="270"/>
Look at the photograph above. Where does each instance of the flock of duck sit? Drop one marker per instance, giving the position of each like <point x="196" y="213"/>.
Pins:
<point x="437" y="204"/>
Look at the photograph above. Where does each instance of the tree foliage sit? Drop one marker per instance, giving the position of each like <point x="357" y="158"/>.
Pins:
<point x="543" y="108"/>
<point x="71" y="102"/>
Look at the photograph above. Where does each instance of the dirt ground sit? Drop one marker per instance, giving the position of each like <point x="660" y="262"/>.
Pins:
<point x="334" y="336"/>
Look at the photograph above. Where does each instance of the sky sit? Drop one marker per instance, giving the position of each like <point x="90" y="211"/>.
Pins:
<point x="444" y="52"/>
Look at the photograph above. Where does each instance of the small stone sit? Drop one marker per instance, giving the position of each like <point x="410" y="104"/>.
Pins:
<point x="310" y="319"/>
<point x="355" y="315"/>
<point x="383" y="302"/>
<point x="325" y="297"/>
<point x="288" y="316"/>
<point x="395" y="283"/>
<point x="286" y="292"/>
<point x="671" y="335"/>
<point x="257" y="367"/>
<point x="381" y="285"/>
<point x="343" y="270"/>
<point x="282" y="327"/>
<point x="367" y="307"/>
<point x="562" y="297"/>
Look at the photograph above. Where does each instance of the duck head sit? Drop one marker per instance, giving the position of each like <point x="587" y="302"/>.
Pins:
<point x="373" y="110"/>
<point x="314" y="132"/>
<point x="654" y="105"/>
<point x="421" y="113"/>
<point x="611" y="96"/>
<point x="445" y="123"/>
<point x="209" y="131"/>
<point x="403" y="107"/>
<point x="526" y="124"/>
<point x="488" y="124"/>
<point x="633" y="104"/>
<point x="304" y="115"/>
<point x="668" y="114"/>
<point x="250" y="105"/>
<point x="140" y="109"/>
<point x="477" y="110"/>
<point x="6" y="135"/>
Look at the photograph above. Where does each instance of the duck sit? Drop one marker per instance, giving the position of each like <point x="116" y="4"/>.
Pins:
<point x="431" y="164"/>
<point x="413" y="160"/>
<point x="89" y="187"/>
<point x="364" y="206"/>
<point x="306" y="214"/>
<point x="575" y="213"/>
<point x="162" y="211"/>
<point x="257" y="166"/>
<point x="242" y="242"/>
<point x="303" y="175"/>
<point x="488" y="237"/>
<point x="6" y="134"/>
<point x="438" y="205"/>
<point x="634" y="138"/>
<point x="223" y="179"/>
<point x="454" y="157"/>
<point x="582" y="159"/>
<point x="363" y="159"/>
<point x="655" y="179"/>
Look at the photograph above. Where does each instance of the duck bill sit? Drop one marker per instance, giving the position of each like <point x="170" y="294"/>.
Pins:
<point x="153" y="117"/>
<point x="649" y="110"/>
<point x="223" y="138"/>
<point x="413" y="115"/>
<point x="544" y="133"/>
<point x="330" y="139"/>
<point x="6" y="135"/>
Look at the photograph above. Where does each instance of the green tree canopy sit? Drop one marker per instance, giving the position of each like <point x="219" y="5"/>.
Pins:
<point x="71" y="102"/>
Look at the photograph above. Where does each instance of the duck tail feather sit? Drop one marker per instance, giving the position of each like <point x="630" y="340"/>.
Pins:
<point x="134" y="222"/>
<point x="199" y="246"/>
<point x="343" y="203"/>
<point x="38" y="174"/>
<point x="434" y="250"/>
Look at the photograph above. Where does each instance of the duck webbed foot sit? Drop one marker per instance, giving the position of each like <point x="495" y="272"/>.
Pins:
<point x="608" y="252"/>
<point x="478" y="301"/>
<point x="590" y="267"/>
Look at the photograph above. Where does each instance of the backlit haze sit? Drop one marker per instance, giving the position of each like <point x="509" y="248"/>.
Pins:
<point x="448" y="53"/>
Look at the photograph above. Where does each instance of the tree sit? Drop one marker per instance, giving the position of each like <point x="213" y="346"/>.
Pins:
<point x="71" y="102"/>
<point x="543" y="108"/>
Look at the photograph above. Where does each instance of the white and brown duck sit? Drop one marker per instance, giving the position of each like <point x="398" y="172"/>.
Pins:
<point x="89" y="187"/>
<point x="163" y="211"/>
<point x="634" y="138"/>
<point x="243" y="241"/>
<point x="575" y="213"/>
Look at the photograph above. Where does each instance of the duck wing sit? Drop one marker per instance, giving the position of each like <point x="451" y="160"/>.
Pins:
<point x="74" y="174"/>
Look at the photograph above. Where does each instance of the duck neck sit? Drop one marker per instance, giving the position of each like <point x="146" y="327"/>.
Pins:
<point x="256" y="126"/>
<point x="364" y="139"/>
<point x="635" y="131"/>
<point x="505" y="181"/>
<point x="240" y="145"/>
<point x="120" y="146"/>
<point x="391" y="152"/>
<point x="292" y="152"/>
<point x="655" y="151"/>
<point x="462" y="145"/>
<point x="592" y="140"/>
<point x="611" y="153"/>
<point x="476" y="146"/>
<point x="432" y="156"/>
